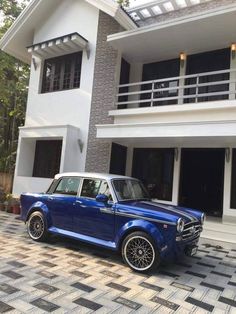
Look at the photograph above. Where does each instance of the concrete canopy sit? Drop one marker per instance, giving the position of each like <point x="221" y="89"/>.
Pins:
<point x="20" y="35"/>
<point x="191" y="34"/>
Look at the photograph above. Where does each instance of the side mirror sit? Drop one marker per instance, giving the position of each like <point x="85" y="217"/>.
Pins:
<point x="102" y="198"/>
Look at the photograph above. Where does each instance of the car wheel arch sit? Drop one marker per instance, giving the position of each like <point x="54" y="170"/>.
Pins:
<point x="42" y="208"/>
<point x="142" y="226"/>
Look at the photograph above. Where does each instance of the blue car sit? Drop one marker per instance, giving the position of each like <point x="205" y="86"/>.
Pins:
<point x="113" y="212"/>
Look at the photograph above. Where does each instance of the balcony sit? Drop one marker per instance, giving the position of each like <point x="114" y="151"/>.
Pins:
<point x="187" y="89"/>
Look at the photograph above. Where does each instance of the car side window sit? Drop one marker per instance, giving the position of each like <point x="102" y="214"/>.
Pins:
<point x="68" y="186"/>
<point x="104" y="189"/>
<point x="90" y="188"/>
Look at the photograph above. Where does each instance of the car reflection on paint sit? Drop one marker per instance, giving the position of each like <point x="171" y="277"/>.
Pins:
<point x="114" y="212"/>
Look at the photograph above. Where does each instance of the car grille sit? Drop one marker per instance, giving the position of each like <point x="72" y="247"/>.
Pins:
<point x="191" y="230"/>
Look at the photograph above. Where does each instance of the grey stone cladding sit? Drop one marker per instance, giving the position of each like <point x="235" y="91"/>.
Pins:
<point x="203" y="7"/>
<point x="103" y="96"/>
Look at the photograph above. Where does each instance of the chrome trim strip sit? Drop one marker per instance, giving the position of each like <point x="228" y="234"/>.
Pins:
<point x="176" y="211"/>
<point x="145" y="218"/>
<point x="107" y="210"/>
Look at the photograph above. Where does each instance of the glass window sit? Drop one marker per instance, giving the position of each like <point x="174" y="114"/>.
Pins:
<point x="129" y="190"/>
<point x="47" y="158"/>
<point x="68" y="186"/>
<point x="104" y="189"/>
<point x="233" y="180"/>
<point x="91" y="188"/>
<point x="155" y="168"/>
<point x="62" y="73"/>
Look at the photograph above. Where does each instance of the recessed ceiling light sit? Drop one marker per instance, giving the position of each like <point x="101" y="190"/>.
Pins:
<point x="145" y="13"/>
<point x="157" y="10"/>
<point x="181" y="3"/>
<point x="168" y="6"/>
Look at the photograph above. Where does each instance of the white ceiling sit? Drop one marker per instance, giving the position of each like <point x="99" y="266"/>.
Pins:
<point x="192" y="34"/>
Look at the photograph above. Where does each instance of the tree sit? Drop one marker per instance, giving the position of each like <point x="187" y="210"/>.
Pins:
<point x="14" y="76"/>
<point x="124" y="3"/>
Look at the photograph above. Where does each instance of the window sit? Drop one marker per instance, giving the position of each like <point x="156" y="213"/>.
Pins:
<point x="129" y="190"/>
<point x="62" y="73"/>
<point x="92" y="187"/>
<point x="155" y="168"/>
<point x="68" y="186"/>
<point x="47" y="158"/>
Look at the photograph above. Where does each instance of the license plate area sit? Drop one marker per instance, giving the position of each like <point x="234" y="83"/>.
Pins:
<point x="191" y="250"/>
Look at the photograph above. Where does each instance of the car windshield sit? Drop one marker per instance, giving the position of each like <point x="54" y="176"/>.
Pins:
<point x="128" y="189"/>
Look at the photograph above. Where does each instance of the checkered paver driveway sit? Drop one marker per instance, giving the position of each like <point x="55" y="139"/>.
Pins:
<point x="64" y="276"/>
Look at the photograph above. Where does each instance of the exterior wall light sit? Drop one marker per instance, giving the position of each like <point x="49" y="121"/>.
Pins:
<point x="233" y="50"/>
<point x="233" y="47"/>
<point x="81" y="145"/>
<point x="182" y="56"/>
<point x="227" y="154"/>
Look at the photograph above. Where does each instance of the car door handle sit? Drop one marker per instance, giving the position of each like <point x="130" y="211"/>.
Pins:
<point x="77" y="202"/>
<point x="50" y="198"/>
<point x="107" y="210"/>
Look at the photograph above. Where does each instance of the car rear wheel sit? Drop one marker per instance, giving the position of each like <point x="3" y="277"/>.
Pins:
<point x="139" y="252"/>
<point x="36" y="227"/>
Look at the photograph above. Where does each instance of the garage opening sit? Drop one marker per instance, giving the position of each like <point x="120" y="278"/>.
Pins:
<point x="202" y="180"/>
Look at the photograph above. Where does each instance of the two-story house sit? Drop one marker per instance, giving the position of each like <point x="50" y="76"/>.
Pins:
<point x="150" y="92"/>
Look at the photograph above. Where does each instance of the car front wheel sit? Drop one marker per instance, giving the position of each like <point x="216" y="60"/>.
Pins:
<point x="36" y="227"/>
<point x="139" y="252"/>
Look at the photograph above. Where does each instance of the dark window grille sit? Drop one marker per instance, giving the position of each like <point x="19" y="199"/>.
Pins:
<point x="62" y="73"/>
<point x="47" y="158"/>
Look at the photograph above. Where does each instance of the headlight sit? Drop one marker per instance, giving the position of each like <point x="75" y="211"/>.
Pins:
<point x="203" y="218"/>
<point x="180" y="225"/>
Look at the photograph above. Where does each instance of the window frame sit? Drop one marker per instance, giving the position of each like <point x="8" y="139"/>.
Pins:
<point x="59" y="181"/>
<point x="112" y="201"/>
<point x="61" y="60"/>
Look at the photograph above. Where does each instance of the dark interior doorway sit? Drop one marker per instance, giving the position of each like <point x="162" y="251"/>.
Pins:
<point x="202" y="180"/>
<point x="118" y="159"/>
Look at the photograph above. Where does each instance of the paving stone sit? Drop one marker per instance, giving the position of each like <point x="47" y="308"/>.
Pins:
<point x="96" y="279"/>
<point x="12" y="274"/>
<point x="8" y="289"/>
<point x="116" y="286"/>
<point x="128" y="303"/>
<point x="88" y="304"/>
<point x="83" y="287"/>
<point x="171" y="305"/>
<point x="4" y="308"/>
<point x="205" y="306"/>
<point x="227" y="301"/>
<point x="45" y="287"/>
<point x="45" y="305"/>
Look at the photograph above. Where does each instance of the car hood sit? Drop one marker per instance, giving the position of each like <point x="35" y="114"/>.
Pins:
<point x="154" y="209"/>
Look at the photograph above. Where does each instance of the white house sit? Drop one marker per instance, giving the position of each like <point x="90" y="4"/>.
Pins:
<point x="149" y="93"/>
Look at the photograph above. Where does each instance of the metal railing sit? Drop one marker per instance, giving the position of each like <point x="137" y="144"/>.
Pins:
<point x="208" y="86"/>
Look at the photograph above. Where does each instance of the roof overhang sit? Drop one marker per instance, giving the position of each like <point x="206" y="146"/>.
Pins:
<point x="21" y="34"/>
<point x="59" y="46"/>
<point x="190" y="34"/>
<point x="214" y="132"/>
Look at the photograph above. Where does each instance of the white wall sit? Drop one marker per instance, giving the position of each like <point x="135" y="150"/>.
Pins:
<point x="71" y="106"/>
<point x="67" y="112"/>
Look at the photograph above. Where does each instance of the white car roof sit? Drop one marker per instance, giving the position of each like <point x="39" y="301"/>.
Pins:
<point x="94" y="175"/>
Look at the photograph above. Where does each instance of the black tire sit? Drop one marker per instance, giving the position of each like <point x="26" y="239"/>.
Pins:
<point x="37" y="227"/>
<point x="134" y="255"/>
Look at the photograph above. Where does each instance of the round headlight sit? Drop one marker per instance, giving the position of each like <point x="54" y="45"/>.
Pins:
<point x="203" y="218"/>
<point x="180" y="225"/>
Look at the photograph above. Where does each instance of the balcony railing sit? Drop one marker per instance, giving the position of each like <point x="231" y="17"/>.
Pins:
<point x="201" y="87"/>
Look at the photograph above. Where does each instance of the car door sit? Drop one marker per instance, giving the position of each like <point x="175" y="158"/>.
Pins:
<point x="94" y="218"/>
<point x="61" y="202"/>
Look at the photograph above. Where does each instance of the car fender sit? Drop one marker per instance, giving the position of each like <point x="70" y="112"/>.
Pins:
<point x="140" y="225"/>
<point x="40" y="206"/>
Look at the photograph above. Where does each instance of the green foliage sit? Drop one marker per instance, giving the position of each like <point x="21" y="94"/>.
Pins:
<point x="124" y="3"/>
<point x="14" y="76"/>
